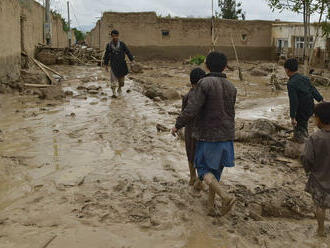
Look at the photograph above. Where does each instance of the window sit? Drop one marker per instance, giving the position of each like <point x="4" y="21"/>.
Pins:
<point x="165" y="33"/>
<point x="300" y="41"/>
<point x="282" y="43"/>
<point x="244" y="37"/>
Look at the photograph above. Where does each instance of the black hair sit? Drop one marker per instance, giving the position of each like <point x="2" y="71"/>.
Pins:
<point x="216" y="62"/>
<point x="115" y="32"/>
<point x="291" y="65"/>
<point x="322" y="110"/>
<point x="196" y="75"/>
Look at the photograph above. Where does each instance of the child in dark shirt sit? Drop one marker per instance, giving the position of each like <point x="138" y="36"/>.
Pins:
<point x="316" y="161"/>
<point x="195" y="75"/>
<point x="301" y="95"/>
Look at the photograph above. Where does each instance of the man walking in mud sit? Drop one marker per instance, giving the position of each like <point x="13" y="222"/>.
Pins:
<point x="211" y="108"/>
<point x="301" y="95"/>
<point x="115" y="53"/>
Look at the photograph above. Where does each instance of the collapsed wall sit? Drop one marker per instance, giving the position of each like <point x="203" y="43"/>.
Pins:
<point x="150" y="36"/>
<point x="22" y="29"/>
<point x="10" y="47"/>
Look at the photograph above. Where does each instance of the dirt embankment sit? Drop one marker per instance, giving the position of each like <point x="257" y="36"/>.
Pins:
<point x="91" y="171"/>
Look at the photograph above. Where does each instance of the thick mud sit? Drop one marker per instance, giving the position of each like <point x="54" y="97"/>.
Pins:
<point x="92" y="171"/>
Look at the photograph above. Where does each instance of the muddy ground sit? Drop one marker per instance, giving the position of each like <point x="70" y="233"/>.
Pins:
<point x="92" y="171"/>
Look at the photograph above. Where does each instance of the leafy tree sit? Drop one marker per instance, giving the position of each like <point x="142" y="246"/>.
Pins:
<point x="306" y="8"/>
<point x="80" y="36"/>
<point x="230" y="9"/>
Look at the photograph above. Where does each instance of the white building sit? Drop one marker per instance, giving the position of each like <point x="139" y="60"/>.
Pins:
<point x="288" y="39"/>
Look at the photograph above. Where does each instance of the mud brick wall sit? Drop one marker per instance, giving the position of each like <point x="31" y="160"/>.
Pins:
<point x="10" y="48"/>
<point x="21" y="29"/>
<point x="149" y="36"/>
<point x="33" y="29"/>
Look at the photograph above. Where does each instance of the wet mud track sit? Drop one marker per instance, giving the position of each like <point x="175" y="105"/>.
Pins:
<point x="93" y="171"/>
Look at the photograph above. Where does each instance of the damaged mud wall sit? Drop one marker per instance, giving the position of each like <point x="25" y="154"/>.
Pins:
<point x="152" y="37"/>
<point x="21" y="29"/>
<point x="10" y="48"/>
<point x="32" y="14"/>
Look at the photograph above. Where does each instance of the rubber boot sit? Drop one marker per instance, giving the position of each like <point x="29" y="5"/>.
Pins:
<point x="227" y="201"/>
<point x="193" y="176"/>
<point x="113" y="92"/>
<point x="119" y="92"/>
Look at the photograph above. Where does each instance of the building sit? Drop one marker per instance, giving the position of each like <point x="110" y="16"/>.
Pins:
<point x="288" y="40"/>
<point x="22" y="29"/>
<point x="150" y="36"/>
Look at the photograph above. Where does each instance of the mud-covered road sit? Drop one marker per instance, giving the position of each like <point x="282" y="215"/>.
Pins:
<point x="93" y="171"/>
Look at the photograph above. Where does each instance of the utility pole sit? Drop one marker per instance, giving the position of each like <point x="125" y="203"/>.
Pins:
<point x="69" y="25"/>
<point x="47" y="27"/>
<point x="212" y="28"/>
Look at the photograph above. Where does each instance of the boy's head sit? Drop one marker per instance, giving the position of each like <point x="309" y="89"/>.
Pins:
<point x="115" y="35"/>
<point x="216" y="62"/>
<point x="291" y="66"/>
<point x="322" y="114"/>
<point x="196" y="75"/>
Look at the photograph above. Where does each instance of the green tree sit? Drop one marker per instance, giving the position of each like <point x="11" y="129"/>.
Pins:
<point x="80" y="36"/>
<point x="230" y="9"/>
<point x="306" y="8"/>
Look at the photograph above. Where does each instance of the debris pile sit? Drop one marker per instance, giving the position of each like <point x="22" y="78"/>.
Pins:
<point x="79" y="55"/>
<point x="320" y="80"/>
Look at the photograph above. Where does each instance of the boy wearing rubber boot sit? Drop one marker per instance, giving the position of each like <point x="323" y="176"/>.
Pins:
<point x="115" y="53"/>
<point x="212" y="109"/>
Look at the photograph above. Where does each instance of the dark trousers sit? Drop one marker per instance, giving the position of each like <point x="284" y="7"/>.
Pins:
<point x="301" y="130"/>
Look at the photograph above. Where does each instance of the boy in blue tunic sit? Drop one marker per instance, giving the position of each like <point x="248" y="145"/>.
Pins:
<point x="212" y="109"/>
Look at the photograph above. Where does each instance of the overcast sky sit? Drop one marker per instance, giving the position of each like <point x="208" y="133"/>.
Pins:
<point x="86" y="12"/>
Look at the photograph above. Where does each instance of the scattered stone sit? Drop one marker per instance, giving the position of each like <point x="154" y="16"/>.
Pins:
<point x="94" y="103"/>
<point x="157" y="99"/>
<point x="81" y="97"/>
<point x="151" y="93"/>
<point x="104" y="99"/>
<point x="171" y="94"/>
<point x="81" y="87"/>
<point x="52" y="93"/>
<point x="93" y="87"/>
<point x="68" y="93"/>
<point x="93" y="92"/>
<point x="136" y="68"/>
<point x="258" y="73"/>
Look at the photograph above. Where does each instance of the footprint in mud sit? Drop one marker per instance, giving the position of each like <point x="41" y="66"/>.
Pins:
<point x="124" y="187"/>
<point x="168" y="166"/>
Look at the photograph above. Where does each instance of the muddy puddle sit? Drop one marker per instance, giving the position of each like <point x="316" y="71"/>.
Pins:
<point x="92" y="171"/>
